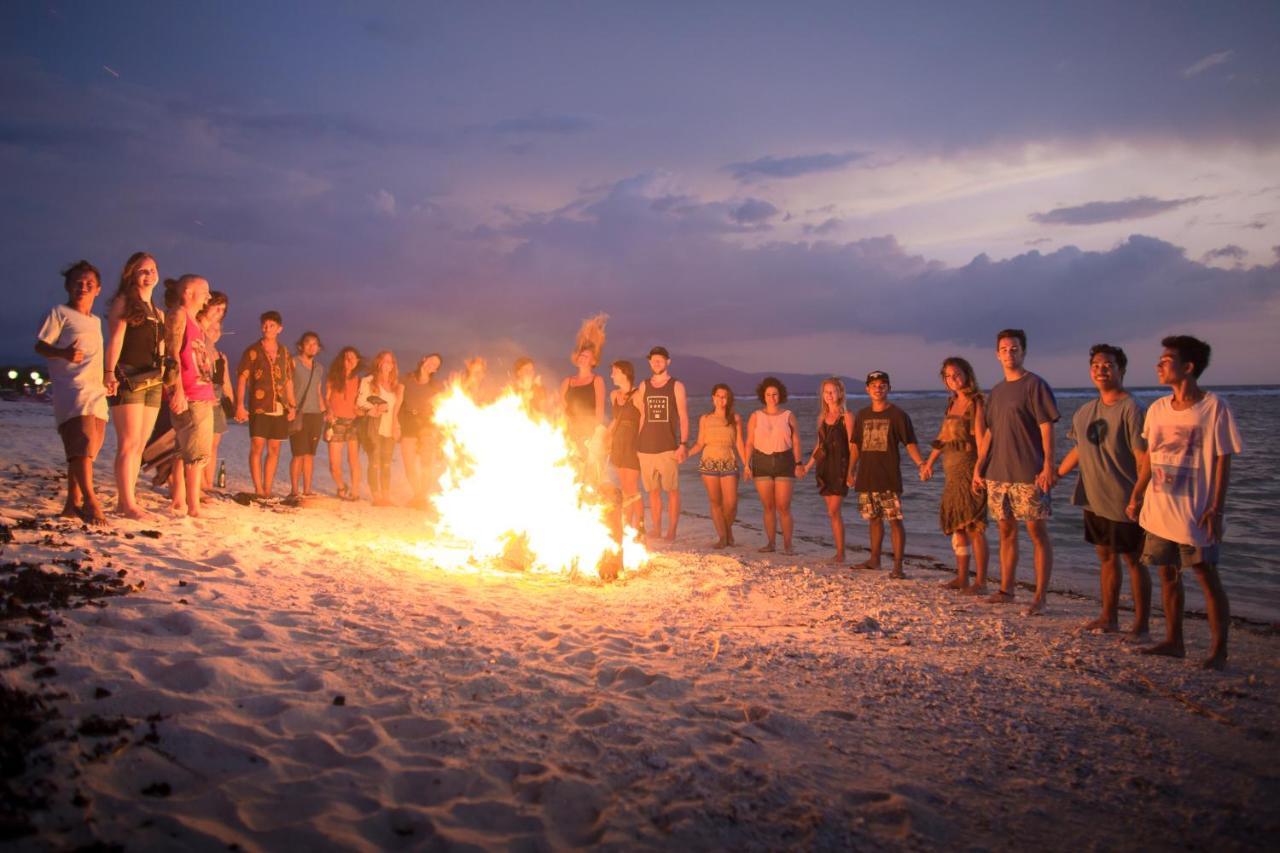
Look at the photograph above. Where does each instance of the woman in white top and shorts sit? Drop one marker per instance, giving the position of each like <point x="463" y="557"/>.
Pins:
<point x="773" y="446"/>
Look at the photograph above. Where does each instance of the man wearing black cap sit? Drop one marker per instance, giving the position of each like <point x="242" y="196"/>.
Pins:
<point x="877" y="431"/>
<point x="663" y="440"/>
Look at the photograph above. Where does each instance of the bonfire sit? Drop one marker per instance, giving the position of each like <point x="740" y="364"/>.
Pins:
<point x="515" y="495"/>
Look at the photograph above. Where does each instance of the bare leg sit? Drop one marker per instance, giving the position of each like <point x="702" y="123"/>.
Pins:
<point x="834" y="503"/>
<point x="960" y="545"/>
<point x="128" y="421"/>
<point x="898" y="535"/>
<point x="1042" y="547"/>
<point x="256" y="447"/>
<point x="655" y="511"/>
<point x="308" y="468"/>
<point x="295" y="474"/>
<point x="1140" y="586"/>
<point x="630" y="480"/>
<point x="178" y="487"/>
<point x="1215" y="599"/>
<point x="411" y="458"/>
<point x="1109" y="621"/>
<point x="729" y="500"/>
<point x="1172" y="595"/>
<point x="195" y="478"/>
<point x="212" y="464"/>
<point x="712" y="485"/>
<point x="981" y="556"/>
<point x="764" y="488"/>
<point x="782" y="494"/>
<point x="82" y="474"/>
<point x="71" y="509"/>
<point x="269" y="466"/>
<point x="335" y="466"/>
<point x="353" y="463"/>
<point x="1008" y="561"/>
<point x="875" y="533"/>
<point x="673" y="512"/>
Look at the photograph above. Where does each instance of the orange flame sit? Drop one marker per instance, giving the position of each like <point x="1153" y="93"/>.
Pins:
<point x="513" y="496"/>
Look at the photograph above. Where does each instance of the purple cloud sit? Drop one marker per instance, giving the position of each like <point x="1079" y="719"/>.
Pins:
<point x="791" y="167"/>
<point x="1095" y="212"/>
<point x="753" y="211"/>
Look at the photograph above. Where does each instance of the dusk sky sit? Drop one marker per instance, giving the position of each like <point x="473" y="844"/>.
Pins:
<point x="819" y="187"/>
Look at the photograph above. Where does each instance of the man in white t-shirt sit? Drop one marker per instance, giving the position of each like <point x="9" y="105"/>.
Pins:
<point x="1191" y="436"/>
<point x="71" y="339"/>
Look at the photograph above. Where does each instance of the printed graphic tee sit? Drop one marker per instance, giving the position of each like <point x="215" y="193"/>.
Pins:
<point x="1184" y="446"/>
<point x="877" y="436"/>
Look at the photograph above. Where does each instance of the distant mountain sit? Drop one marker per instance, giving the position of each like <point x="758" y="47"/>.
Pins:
<point x="698" y="375"/>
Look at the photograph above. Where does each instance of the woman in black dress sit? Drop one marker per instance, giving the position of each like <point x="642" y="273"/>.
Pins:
<point x="831" y="457"/>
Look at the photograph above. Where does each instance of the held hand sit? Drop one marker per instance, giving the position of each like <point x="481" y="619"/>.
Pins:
<point x="290" y="413"/>
<point x="242" y="414"/>
<point x="681" y="454"/>
<point x="1045" y="480"/>
<point x="977" y="486"/>
<point x="178" y="403"/>
<point x="848" y="480"/>
<point x="746" y="473"/>
<point x="111" y="384"/>
<point x="1133" y="509"/>
<point x="926" y="471"/>
<point x="1211" y="522"/>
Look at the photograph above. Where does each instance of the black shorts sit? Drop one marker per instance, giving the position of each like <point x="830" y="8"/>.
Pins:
<point x="773" y="466"/>
<point x="1123" y="537"/>
<point x="305" y="440"/>
<point x="271" y="427"/>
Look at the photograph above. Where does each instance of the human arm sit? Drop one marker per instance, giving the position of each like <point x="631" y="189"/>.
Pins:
<point x="395" y="414"/>
<point x="1045" y="479"/>
<point x="817" y="446"/>
<point x="1069" y="462"/>
<point x="697" y="448"/>
<point x="175" y="329"/>
<point x="1139" y="488"/>
<point x="71" y="353"/>
<point x="1211" y="521"/>
<point x="749" y="446"/>
<point x="599" y="395"/>
<point x="794" y="426"/>
<point x="737" y="439"/>
<point x="116" y="326"/>
<point x="683" y="410"/>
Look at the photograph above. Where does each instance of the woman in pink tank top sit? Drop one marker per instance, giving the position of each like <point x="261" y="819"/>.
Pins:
<point x="773" y="446"/>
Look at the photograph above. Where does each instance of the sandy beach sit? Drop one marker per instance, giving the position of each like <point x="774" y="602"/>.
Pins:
<point x="300" y="678"/>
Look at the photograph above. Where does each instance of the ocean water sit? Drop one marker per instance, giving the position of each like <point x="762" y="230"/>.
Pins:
<point x="1250" y="555"/>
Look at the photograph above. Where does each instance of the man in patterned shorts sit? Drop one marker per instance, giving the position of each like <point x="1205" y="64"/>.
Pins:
<point x="1017" y="465"/>
<point x="874" y="466"/>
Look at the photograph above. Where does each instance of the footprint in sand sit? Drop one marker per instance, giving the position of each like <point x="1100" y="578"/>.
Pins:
<point x="438" y="787"/>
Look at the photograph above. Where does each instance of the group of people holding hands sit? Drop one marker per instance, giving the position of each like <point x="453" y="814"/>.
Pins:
<point x="1152" y="484"/>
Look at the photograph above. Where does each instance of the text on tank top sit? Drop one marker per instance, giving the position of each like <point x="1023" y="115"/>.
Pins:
<point x="659" y="433"/>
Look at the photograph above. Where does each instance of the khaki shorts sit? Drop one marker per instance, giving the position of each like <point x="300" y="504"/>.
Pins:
<point x="82" y="436"/>
<point x="194" y="429"/>
<point x="659" y="471"/>
<point x="1018" y="501"/>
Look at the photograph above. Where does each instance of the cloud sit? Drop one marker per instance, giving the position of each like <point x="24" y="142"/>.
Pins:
<point x="1038" y="241"/>
<point x="384" y="202"/>
<point x="1230" y="252"/>
<point x="1255" y="225"/>
<point x="1095" y="212"/>
<point x="753" y="211"/>
<point x="824" y="228"/>
<point x="541" y="124"/>
<point x="1204" y="64"/>
<point x="791" y="167"/>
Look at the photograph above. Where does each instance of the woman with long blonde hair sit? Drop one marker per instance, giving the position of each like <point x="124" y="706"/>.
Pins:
<point x="582" y="395"/>
<point x="133" y="372"/>
<point x="831" y="456"/>
<point x="379" y="399"/>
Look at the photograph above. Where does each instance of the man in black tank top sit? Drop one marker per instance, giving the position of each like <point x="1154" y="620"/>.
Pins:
<point x="663" y="441"/>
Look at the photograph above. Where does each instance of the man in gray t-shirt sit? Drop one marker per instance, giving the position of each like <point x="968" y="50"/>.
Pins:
<point x="1015" y="465"/>
<point x="1107" y="432"/>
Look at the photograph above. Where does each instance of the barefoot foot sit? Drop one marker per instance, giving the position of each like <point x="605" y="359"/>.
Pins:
<point x="1101" y="625"/>
<point x="999" y="597"/>
<point x="1168" y="649"/>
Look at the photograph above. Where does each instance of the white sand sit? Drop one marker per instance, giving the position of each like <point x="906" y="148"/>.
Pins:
<point x="716" y="700"/>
